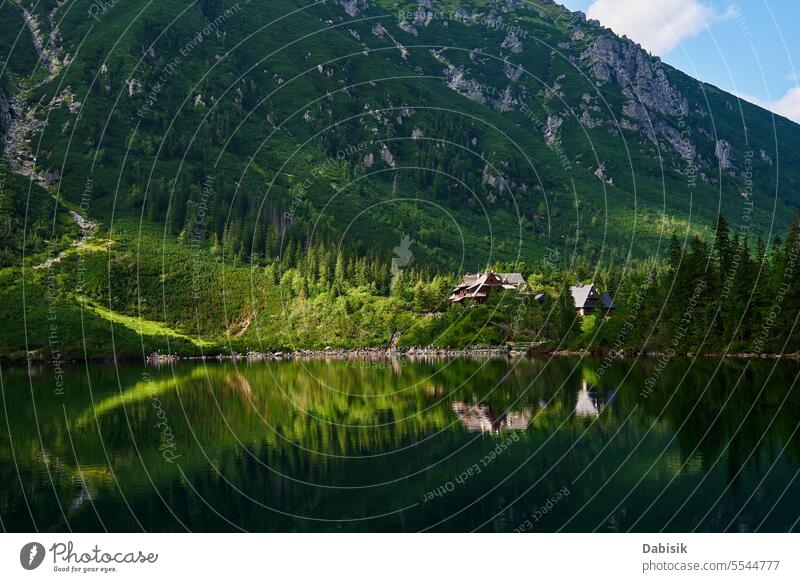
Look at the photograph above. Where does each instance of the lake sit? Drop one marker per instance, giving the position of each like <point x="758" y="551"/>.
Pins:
<point x="543" y="445"/>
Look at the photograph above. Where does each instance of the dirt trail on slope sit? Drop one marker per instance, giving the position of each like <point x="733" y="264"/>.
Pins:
<point x="86" y="227"/>
<point x="22" y="123"/>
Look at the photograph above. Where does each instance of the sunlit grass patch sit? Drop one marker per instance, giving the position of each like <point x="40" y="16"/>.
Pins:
<point x="139" y="325"/>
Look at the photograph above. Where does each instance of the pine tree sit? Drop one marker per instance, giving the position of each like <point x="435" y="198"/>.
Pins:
<point x="288" y="257"/>
<point x="340" y="275"/>
<point x="362" y="273"/>
<point x="722" y="245"/>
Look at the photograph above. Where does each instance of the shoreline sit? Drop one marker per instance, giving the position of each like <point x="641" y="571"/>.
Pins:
<point x="383" y="354"/>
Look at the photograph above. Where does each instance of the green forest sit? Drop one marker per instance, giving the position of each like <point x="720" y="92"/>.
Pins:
<point x="228" y="177"/>
<point x="726" y="294"/>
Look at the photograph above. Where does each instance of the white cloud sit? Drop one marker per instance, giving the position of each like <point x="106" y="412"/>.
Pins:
<point x="787" y="106"/>
<point x="658" y="25"/>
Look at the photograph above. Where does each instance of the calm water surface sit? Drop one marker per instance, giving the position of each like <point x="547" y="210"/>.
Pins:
<point x="455" y="445"/>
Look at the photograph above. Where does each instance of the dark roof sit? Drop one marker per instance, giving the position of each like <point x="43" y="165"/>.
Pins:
<point x="492" y="278"/>
<point x="582" y="294"/>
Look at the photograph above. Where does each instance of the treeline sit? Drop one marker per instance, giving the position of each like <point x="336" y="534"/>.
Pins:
<point x="710" y="295"/>
<point x="728" y="293"/>
<point x="747" y="297"/>
<point x="324" y="267"/>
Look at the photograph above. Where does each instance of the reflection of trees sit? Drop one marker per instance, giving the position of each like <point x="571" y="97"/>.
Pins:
<point x="711" y="405"/>
<point x="338" y="408"/>
<point x="294" y="420"/>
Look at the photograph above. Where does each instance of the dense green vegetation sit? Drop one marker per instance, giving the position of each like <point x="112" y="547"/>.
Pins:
<point x="253" y="169"/>
<point x="32" y="224"/>
<point x="256" y="125"/>
<point x="383" y="432"/>
<point x="182" y="298"/>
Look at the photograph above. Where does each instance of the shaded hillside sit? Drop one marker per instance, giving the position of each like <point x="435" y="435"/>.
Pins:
<point x="482" y="130"/>
<point x="32" y="224"/>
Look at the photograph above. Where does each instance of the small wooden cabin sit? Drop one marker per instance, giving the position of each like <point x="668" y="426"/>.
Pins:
<point x="477" y="288"/>
<point x="588" y="300"/>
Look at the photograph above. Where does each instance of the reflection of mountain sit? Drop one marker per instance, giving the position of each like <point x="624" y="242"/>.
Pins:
<point x="480" y="417"/>
<point x="589" y="403"/>
<point x="267" y="429"/>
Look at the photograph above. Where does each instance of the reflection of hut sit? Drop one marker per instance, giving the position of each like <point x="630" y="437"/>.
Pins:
<point x="481" y="418"/>
<point x="82" y="497"/>
<point x="478" y="287"/>
<point x="589" y="403"/>
<point x="517" y="420"/>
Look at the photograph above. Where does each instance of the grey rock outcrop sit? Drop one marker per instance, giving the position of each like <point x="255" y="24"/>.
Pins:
<point x="512" y="42"/>
<point x="513" y="72"/>
<point x="424" y="14"/>
<point x="590" y="122"/>
<point x="640" y="75"/>
<point x="504" y="102"/>
<point x="600" y="172"/>
<point x="387" y="157"/>
<point x="407" y="27"/>
<point x="724" y="153"/>
<point x="652" y="100"/>
<point x="378" y="30"/>
<point x="551" y="128"/>
<point x="354" y="7"/>
<point x="134" y="87"/>
<point x="469" y="88"/>
<point x="52" y="177"/>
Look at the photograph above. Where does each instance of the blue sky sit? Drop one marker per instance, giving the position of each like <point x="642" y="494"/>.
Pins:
<point x="748" y="47"/>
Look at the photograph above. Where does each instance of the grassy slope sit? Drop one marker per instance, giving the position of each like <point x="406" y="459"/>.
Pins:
<point x="645" y="189"/>
<point x="32" y="223"/>
<point x="180" y="293"/>
<point x="195" y="305"/>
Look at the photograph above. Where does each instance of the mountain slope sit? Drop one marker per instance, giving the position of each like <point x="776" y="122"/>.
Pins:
<point x="483" y="130"/>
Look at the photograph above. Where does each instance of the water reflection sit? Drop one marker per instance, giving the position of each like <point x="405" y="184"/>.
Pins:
<point x="589" y="403"/>
<point x="310" y="446"/>
<point x="481" y="418"/>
